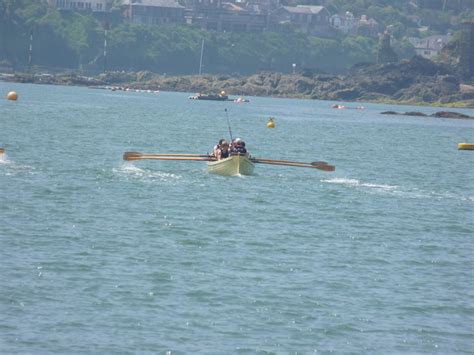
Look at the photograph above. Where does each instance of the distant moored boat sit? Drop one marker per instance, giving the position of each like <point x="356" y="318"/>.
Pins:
<point x="214" y="97"/>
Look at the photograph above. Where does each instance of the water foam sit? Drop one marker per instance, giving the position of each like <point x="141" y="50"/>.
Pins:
<point x="395" y="190"/>
<point x="11" y="168"/>
<point x="131" y="171"/>
<point x="4" y="159"/>
<point x="357" y="183"/>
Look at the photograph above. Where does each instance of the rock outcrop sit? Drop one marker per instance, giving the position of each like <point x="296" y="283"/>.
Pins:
<point x="415" y="81"/>
<point x="441" y="114"/>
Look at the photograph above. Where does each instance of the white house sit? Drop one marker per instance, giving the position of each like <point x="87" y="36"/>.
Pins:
<point x="430" y="47"/>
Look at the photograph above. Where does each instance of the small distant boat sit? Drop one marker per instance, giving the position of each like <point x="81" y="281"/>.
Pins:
<point x="214" y="97"/>
<point x="231" y="166"/>
<point x="338" y="106"/>
<point x="241" y="99"/>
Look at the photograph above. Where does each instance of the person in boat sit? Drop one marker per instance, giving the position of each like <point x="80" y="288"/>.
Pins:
<point x="221" y="150"/>
<point x="238" y="147"/>
<point x="217" y="147"/>
<point x="224" y="152"/>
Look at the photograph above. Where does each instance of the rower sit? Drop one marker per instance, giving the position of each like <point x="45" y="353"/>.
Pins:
<point x="217" y="147"/>
<point x="221" y="150"/>
<point x="224" y="151"/>
<point x="238" y="147"/>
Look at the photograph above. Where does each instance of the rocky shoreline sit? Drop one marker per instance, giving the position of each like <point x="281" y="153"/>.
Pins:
<point x="417" y="81"/>
<point x="440" y="114"/>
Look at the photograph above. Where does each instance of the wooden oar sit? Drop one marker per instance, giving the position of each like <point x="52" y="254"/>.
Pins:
<point x="291" y="162"/>
<point x="315" y="165"/>
<point x="133" y="154"/>
<point x="140" y="156"/>
<point x="179" y="155"/>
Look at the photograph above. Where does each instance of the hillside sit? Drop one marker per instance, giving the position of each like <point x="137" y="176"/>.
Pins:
<point x="283" y="62"/>
<point x="74" y="40"/>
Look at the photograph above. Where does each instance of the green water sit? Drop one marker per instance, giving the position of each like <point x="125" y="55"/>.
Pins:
<point x="98" y="255"/>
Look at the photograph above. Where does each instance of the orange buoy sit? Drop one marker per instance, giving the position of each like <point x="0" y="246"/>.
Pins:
<point x="12" y="95"/>
<point x="466" y="146"/>
<point x="271" y="123"/>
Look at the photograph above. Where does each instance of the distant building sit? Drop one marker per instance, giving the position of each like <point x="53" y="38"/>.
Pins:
<point x="84" y="5"/>
<point x="429" y="47"/>
<point x="195" y="4"/>
<point x="260" y="6"/>
<point x="346" y="23"/>
<point x="368" y="27"/>
<point x="153" y="12"/>
<point x="309" y="19"/>
<point x="237" y="16"/>
<point x="349" y="25"/>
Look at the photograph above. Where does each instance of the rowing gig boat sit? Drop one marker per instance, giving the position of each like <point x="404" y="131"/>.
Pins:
<point x="233" y="165"/>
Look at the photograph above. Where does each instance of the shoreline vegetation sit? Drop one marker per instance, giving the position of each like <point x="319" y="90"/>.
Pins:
<point x="411" y="82"/>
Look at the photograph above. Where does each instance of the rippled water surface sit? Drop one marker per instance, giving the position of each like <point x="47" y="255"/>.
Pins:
<point x="98" y="255"/>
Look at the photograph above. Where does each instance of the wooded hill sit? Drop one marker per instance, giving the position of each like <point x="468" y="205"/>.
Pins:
<point x="72" y="40"/>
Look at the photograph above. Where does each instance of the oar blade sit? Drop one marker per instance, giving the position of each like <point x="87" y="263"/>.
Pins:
<point x="132" y="156"/>
<point x="323" y="166"/>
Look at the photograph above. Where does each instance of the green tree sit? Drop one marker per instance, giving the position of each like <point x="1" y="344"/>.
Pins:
<point x="12" y="30"/>
<point x="75" y="39"/>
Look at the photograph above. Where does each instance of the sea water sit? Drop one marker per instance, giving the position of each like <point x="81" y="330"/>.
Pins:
<point x="99" y="255"/>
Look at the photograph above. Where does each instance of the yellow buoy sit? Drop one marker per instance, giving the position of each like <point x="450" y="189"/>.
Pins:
<point x="12" y="95"/>
<point x="271" y="123"/>
<point x="466" y="146"/>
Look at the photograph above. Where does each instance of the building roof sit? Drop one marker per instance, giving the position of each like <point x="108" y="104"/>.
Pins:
<point x="232" y="7"/>
<point x="304" y="9"/>
<point x="154" y="3"/>
<point x="436" y="42"/>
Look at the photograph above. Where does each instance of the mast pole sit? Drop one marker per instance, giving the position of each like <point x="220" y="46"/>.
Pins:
<point x="200" y="61"/>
